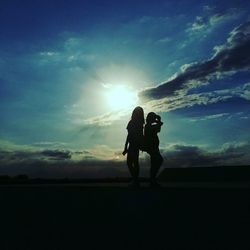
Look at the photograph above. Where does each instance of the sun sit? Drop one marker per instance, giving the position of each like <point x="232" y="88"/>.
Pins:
<point x="120" y="97"/>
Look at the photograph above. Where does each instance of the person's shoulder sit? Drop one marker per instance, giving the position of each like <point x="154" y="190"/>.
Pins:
<point x="151" y="128"/>
<point x="133" y="125"/>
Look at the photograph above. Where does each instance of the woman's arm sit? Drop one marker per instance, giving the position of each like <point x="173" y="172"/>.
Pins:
<point x="156" y="127"/>
<point x="125" y="151"/>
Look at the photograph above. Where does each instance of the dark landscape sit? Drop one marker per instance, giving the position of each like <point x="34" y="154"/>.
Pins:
<point x="124" y="125"/>
<point x="221" y="174"/>
<point x="105" y="215"/>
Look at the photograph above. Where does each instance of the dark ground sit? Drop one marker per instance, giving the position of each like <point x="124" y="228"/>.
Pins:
<point x="78" y="217"/>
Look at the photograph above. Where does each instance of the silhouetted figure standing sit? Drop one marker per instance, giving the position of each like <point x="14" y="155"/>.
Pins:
<point x="133" y="143"/>
<point x="152" y="127"/>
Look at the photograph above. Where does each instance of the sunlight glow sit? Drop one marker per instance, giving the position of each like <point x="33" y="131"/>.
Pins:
<point x="120" y="97"/>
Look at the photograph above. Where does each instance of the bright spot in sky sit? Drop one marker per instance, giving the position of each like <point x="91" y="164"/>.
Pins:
<point x="120" y="97"/>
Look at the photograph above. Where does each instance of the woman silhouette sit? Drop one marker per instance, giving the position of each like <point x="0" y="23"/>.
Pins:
<point x="133" y="143"/>
<point x="152" y="127"/>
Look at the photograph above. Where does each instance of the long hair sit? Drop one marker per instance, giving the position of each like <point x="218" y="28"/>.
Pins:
<point x="138" y="115"/>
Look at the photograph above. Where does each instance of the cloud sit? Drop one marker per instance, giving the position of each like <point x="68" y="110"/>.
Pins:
<point x="164" y="40"/>
<point x="205" y="98"/>
<point x="86" y="168"/>
<point x="105" y="119"/>
<point x="228" y="58"/>
<point x="180" y="156"/>
<point x="31" y="154"/>
<point x="103" y="161"/>
<point x="210" y="117"/>
<point x="206" y="24"/>
<point x="100" y="161"/>
<point x="56" y="154"/>
<point x="219" y="18"/>
<point x="199" y="24"/>
<point x="50" y="144"/>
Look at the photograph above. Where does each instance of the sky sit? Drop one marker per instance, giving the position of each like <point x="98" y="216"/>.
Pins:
<point x="71" y="73"/>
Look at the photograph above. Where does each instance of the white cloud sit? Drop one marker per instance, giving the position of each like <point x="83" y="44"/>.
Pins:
<point x="230" y="15"/>
<point x="104" y="119"/>
<point x="48" y="53"/>
<point x="209" y="117"/>
<point x="199" y="24"/>
<point x="164" y="40"/>
<point x="206" y="24"/>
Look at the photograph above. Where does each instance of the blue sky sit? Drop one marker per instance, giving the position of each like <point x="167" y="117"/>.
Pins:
<point x="61" y="60"/>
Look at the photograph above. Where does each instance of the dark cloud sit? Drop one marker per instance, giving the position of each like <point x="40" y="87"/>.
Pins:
<point x="91" y="168"/>
<point x="194" y="156"/>
<point x="100" y="161"/>
<point x="57" y="154"/>
<point x="61" y="164"/>
<point x="23" y="155"/>
<point x="230" y="57"/>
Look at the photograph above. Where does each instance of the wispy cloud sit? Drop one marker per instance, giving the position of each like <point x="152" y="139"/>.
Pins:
<point x="105" y="119"/>
<point x="50" y="144"/>
<point x="205" y="24"/>
<point x="218" y="18"/>
<point x="199" y="24"/>
<point x="210" y="117"/>
<point x="164" y="40"/>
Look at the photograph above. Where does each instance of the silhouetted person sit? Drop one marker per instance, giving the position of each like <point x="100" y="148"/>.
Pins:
<point x="133" y="143"/>
<point x="152" y="127"/>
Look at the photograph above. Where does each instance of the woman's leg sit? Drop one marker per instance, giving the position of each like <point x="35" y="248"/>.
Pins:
<point x="130" y="164"/>
<point x="136" y="165"/>
<point x="133" y="163"/>
<point x="156" y="162"/>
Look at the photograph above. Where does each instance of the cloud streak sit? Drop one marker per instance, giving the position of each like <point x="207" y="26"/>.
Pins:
<point x="228" y="58"/>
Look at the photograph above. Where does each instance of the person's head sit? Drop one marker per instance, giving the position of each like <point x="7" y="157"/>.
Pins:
<point x="138" y="115"/>
<point x="151" y="117"/>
